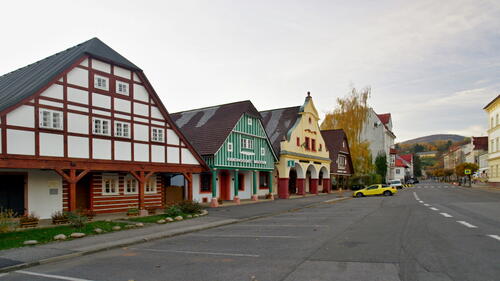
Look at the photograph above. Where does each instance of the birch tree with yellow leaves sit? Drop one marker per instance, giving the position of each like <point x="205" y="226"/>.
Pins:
<point x="350" y="115"/>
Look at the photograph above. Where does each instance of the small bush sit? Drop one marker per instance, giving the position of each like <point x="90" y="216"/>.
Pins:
<point x="173" y="211"/>
<point x="29" y="218"/>
<point x="7" y="222"/>
<point x="189" y="207"/>
<point x="59" y="217"/>
<point x="76" y="220"/>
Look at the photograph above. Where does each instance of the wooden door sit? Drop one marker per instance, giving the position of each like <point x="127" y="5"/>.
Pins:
<point x="225" y="192"/>
<point x="83" y="193"/>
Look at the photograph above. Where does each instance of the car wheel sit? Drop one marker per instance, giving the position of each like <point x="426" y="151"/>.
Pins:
<point x="359" y="194"/>
<point x="387" y="193"/>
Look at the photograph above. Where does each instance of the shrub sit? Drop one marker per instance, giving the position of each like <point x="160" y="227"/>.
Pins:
<point x="189" y="207"/>
<point x="173" y="211"/>
<point x="76" y="220"/>
<point x="59" y="217"/>
<point x="7" y="222"/>
<point x="29" y="218"/>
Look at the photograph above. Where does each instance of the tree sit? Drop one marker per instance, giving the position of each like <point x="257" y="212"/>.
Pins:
<point x="448" y="173"/>
<point x="417" y="166"/>
<point x="350" y="115"/>
<point x="381" y="165"/>
<point x="460" y="170"/>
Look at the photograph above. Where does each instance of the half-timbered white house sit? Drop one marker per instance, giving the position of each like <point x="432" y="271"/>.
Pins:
<point x="84" y="129"/>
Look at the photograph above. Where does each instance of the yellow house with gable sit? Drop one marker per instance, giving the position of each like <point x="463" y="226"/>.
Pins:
<point x="304" y="161"/>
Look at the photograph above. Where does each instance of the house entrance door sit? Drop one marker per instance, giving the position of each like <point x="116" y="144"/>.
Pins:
<point x="83" y="193"/>
<point x="12" y="193"/>
<point x="225" y="179"/>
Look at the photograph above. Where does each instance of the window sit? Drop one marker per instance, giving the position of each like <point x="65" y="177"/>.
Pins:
<point x="343" y="144"/>
<point x="497" y="120"/>
<point x="101" y="127"/>
<point x="307" y="143"/>
<point x="262" y="151"/>
<point x="230" y="147"/>
<point x="492" y="145"/>
<point x="131" y="186"/>
<point x="310" y="120"/>
<point x="110" y="185"/>
<point x="249" y="121"/>
<point x="497" y="142"/>
<point x="101" y="82"/>
<point x="372" y="187"/>
<point x="264" y="180"/>
<point x="157" y="134"/>
<point x="206" y="182"/>
<point x="313" y="144"/>
<point x="150" y="185"/>
<point x="298" y="141"/>
<point x="492" y="124"/>
<point x="122" y="129"/>
<point x="398" y="171"/>
<point x="320" y="147"/>
<point x="246" y="143"/>
<point x="341" y="162"/>
<point x="50" y="119"/>
<point x="122" y="88"/>
<point x="241" y="182"/>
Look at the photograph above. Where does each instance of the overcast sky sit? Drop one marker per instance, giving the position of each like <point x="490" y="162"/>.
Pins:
<point x="433" y="64"/>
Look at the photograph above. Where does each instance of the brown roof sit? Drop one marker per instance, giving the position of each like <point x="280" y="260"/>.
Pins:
<point x="207" y="128"/>
<point x="491" y="102"/>
<point x="480" y="143"/>
<point x="384" y="118"/>
<point x="333" y="141"/>
<point x="277" y="123"/>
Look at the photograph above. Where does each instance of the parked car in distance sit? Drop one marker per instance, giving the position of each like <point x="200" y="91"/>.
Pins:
<point x="413" y="181"/>
<point x="376" y="189"/>
<point x="355" y="187"/>
<point x="396" y="183"/>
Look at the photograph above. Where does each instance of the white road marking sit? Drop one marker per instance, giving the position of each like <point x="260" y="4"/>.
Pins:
<point x="245" y="236"/>
<point x="426" y="205"/>
<point x="286" y="225"/>
<point x="198" y="253"/>
<point x="446" y="215"/>
<point x="434" y="209"/>
<point x="51" y="276"/>
<point x="467" y="224"/>
<point x="494" y="236"/>
<point x="421" y="201"/>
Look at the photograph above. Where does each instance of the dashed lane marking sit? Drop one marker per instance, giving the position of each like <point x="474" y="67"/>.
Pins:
<point x="434" y="209"/>
<point x="245" y="236"/>
<point x="198" y="253"/>
<point x="494" y="236"/>
<point x="426" y="205"/>
<point x="446" y="215"/>
<point x="286" y="225"/>
<point x="60" y="277"/>
<point x="467" y="224"/>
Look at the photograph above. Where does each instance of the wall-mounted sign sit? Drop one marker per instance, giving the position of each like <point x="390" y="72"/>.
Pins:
<point x="290" y="163"/>
<point x="247" y="161"/>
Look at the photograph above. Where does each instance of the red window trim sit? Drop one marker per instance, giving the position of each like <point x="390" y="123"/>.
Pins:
<point x="307" y="143"/>
<point x="210" y="185"/>
<point x="313" y="144"/>
<point x="298" y="141"/>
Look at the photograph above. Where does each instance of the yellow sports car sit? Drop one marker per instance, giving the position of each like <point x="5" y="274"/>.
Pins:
<point x="376" y="189"/>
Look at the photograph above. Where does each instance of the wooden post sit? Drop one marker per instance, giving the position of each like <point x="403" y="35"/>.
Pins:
<point x="72" y="179"/>
<point x="142" y="178"/>
<point x="214" y="203"/>
<point x="255" y="197"/>
<point x="189" y="179"/>
<point x="271" y="196"/>
<point x="236" y="185"/>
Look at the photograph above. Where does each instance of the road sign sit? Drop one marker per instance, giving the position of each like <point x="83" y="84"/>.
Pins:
<point x="467" y="171"/>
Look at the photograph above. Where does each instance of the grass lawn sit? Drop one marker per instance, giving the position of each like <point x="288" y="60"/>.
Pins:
<point x="153" y="219"/>
<point x="45" y="235"/>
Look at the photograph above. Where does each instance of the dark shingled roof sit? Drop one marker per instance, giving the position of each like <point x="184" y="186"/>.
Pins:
<point x="333" y="141"/>
<point x="24" y="82"/>
<point x="208" y="128"/>
<point x="278" y="122"/>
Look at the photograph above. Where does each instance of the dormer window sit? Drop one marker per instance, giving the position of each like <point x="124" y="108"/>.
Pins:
<point x="122" y="88"/>
<point x="101" y="82"/>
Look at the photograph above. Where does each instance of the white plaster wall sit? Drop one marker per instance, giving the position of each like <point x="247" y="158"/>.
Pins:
<point x="78" y="147"/>
<point x="373" y="134"/>
<point x="77" y="95"/>
<point x="51" y="145"/>
<point x="102" y="66"/>
<point x="23" y="116"/>
<point x="40" y="201"/>
<point x="141" y="132"/>
<point x="101" y="100"/>
<point x="187" y="157"/>
<point x="20" y="142"/>
<point x="172" y="137"/>
<point x="123" y="150"/>
<point x="136" y="78"/>
<point x="141" y="109"/>
<point x="122" y="72"/>
<point x="140" y="93"/>
<point x="141" y="152"/>
<point x="101" y="149"/>
<point x="85" y="62"/>
<point x="79" y="77"/>
<point x="173" y="155"/>
<point x="51" y="103"/>
<point x="401" y="174"/>
<point x="122" y="105"/>
<point x="78" y="123"/>
<point x="123" y="116"/>
<point x="55" y="91"/>
<point x="197" y="196"/>
<point x="155" y="113"/>
<point x="101" y="112"/>
<point x="158" y="153"/>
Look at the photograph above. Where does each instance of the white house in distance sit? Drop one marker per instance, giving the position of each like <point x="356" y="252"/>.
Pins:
<point x="84" y="129"/>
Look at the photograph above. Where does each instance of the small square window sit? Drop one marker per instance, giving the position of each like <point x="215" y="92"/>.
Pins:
<point x="262" y="151"/>
<point x="50" y="119"/>
<point x="151" y="185"/>
<point x="230" y="147"/>
<point x="157" y="135"/>
<point x="249" y="121"/>
<point x="122" y="129"/>
<point x="131" y="185"/>
<point x="122" y="88"/>
<point x="101" y="127"/>
<point x="110" y="185"/>
<point x="101" y="82"/>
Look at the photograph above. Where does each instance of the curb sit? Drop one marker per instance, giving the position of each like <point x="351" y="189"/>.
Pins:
<point x="157" y="236"/>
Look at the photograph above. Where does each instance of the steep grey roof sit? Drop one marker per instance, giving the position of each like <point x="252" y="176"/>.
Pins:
<point x="24" y="82"/>
<point x="208" y="128"/>
<point x="333" y="141"/>
<point x="278" y="122"/>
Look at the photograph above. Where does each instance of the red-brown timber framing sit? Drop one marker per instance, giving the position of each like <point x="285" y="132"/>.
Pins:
<point x="74" y="169"/>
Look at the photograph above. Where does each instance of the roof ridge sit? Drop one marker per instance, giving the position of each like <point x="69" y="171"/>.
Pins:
<point x="209" y="107"/>
<point x="280" y="108"/>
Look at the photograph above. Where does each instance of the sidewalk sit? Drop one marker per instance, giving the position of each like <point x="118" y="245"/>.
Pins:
<point x="486" y="186"/>
<point x="14" y="259"/>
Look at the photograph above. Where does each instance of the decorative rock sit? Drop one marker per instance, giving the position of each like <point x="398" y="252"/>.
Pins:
<point x="189" y="216"/>
<point x="161" y="221"/>
<point x="204" y="213"/>
<point x="30" y="242"/>
<point x="178" y="218"/>
<point x="98" y="230"/>
<point x="139" y="224"/>
<point x="77" y="235"/>
<point x="169" y="219"/>
<point x="116" y="227"/>
<point x="130" y="226"/>
<point x="60" y="237"/>
<point x="195" y="215"/>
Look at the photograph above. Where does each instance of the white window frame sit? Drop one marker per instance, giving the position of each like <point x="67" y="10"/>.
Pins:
<point x="51" y="121"/>
<point x="98" y="85"/>
<point x="101" y="131"/>
<point x="126" y="181"/>
<point x="120" y="129"/>
<point x="151" y="185"/>
<point x="246" y="143"/>
<point x="155" y="136"/>
<point x="341" y="161"/>
<point x="229" y="147"/>
<point x="112" y="179"/>
<point x="262" y="151"/>
<point x="121" y="83"/>
<point x="249" y="121"/>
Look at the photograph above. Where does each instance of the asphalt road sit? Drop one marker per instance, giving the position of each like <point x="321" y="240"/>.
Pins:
<point x="429" y="232"/>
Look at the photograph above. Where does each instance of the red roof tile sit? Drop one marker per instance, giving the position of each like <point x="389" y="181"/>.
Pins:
<point x="384" y="118"/>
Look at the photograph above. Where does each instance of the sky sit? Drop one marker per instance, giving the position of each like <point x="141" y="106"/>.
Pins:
<point x="432" y="64"/>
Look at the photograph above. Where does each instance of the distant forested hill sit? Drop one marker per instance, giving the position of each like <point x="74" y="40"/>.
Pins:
<point x="435" y="138"/>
